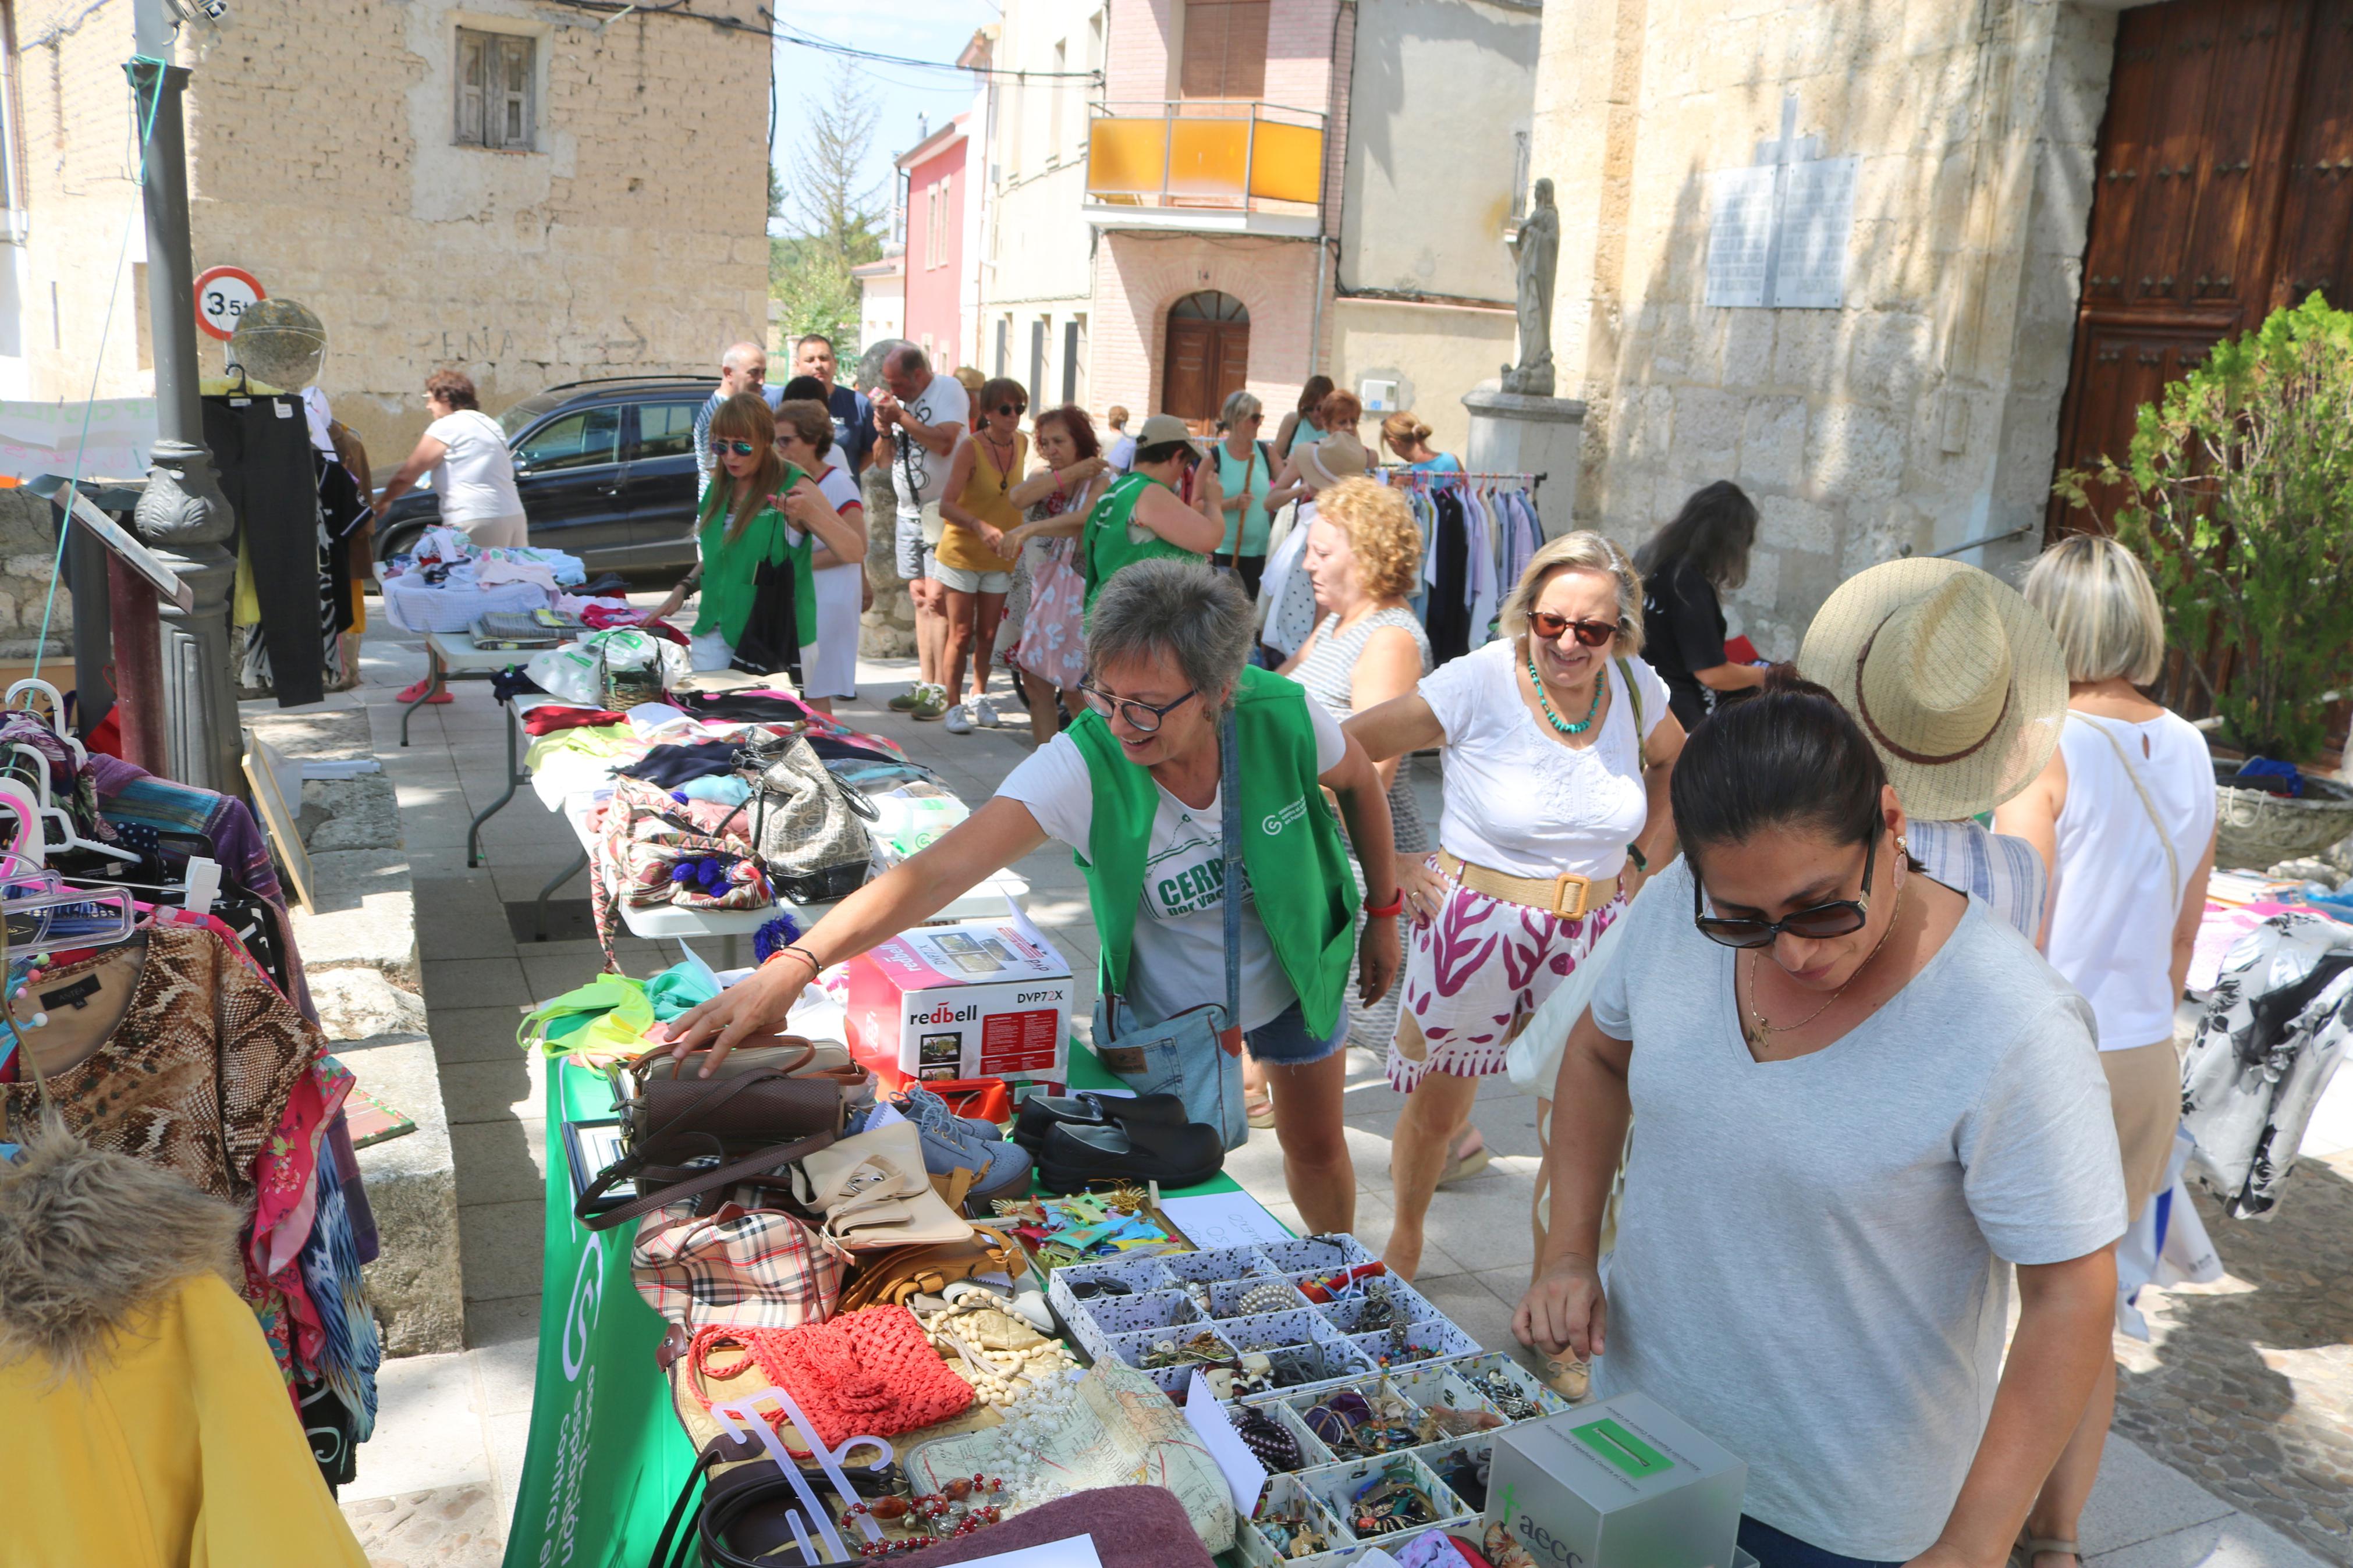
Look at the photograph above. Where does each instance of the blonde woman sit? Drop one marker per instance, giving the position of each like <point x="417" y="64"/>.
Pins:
<point x="759" y="508"/>
<point x="1364" y="556"/>
<point x="1556" y="803"/>
<point x="2124" y="815"/>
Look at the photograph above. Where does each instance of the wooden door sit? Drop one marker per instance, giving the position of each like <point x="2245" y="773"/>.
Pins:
<point x="2223" y="188"/>
<point x="1205" y="361"/>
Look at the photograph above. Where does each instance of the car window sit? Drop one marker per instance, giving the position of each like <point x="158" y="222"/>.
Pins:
<point x="576" y="441"/>
<point x="666" y="429"/>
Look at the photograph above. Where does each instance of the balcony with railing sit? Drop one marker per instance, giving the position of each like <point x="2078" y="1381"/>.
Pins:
<point x="1206" y="166"/>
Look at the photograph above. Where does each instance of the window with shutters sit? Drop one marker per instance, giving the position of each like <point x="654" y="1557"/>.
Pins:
<point x="1225" y="49"/>
<point x="495" y="74"/>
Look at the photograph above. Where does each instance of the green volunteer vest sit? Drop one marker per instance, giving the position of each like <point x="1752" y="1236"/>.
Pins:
<point x="1104" y="547"/>
<point x="731" y="568"/>
<point x="1292" y="847"/>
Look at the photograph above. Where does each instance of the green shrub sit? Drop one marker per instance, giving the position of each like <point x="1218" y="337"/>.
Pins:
<point x="2240" y="501"/>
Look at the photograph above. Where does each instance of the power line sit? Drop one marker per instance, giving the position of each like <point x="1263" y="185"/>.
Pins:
<point x="787" y="33"/>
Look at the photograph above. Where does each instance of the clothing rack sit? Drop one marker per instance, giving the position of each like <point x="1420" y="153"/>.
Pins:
<point x="1531" y="483"/>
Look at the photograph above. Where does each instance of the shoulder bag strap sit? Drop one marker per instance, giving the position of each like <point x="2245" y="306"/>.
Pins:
<point x="2123" y="760"/>
<point x="1229" y="804"/>
<point x="751" y="1165"/>
<point x="1634" y="695"/>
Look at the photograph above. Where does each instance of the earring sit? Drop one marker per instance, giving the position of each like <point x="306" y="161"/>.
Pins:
<point x="1902" y="846"/>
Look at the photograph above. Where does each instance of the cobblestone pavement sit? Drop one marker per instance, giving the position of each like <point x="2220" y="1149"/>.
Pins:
<point x="2248" y="1383"/>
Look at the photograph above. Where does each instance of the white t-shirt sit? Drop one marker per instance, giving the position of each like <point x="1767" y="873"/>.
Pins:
<point x="2114" y="897"/>
<point x="475" y="478"/>
<point x="1122" y="455"/>
<point x="1518" y="801"/>
<point x="1811" y="1253"/>
<point x="942" y="403"/>
<point x="1179" y="954"/>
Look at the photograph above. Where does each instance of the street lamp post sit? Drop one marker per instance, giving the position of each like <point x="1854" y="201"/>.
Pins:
<point x="183" y="516"/>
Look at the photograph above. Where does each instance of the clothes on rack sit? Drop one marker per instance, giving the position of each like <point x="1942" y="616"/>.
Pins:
<point x="1478" y="532"/>
<point x="261" y="448"/>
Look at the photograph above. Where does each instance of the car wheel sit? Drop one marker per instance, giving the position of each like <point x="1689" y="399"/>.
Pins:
<point x="399" y="538"/>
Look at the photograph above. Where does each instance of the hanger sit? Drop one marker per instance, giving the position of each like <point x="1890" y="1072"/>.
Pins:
<point x="56" y="715"/>
<point x="66" y="835"/>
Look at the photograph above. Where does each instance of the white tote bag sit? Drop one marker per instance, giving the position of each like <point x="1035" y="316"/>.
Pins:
<point x="1533" y="1060"/>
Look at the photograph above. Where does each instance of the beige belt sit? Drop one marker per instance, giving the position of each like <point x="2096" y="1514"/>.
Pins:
<point x="1568" y="895"/>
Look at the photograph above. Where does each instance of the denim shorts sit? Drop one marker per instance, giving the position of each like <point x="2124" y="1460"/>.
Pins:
<point x="1283" y="1041"/>
<point x="910" y="554"/>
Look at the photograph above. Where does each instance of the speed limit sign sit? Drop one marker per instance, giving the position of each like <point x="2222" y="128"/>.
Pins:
<point x="224" y="294"/>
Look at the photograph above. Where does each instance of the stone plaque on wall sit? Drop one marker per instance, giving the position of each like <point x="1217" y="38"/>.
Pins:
<point x="1739" y="234"/>
<point x="1816" y="216"/>
<point x="1777" y="229"/>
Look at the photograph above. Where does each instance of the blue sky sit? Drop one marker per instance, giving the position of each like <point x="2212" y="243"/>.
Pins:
<point x="915" y="29"/>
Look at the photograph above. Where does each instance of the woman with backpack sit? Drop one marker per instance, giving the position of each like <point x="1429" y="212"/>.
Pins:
<point x="1244" y="476"/>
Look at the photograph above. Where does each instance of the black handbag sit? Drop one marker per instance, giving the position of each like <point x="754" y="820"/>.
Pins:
<point x="771" y="642"/>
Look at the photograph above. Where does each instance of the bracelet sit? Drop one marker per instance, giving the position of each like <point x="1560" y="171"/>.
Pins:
<point x="798" y="951"/>
<point x="1390" y="911"/>
<point x="1641" y="862"/>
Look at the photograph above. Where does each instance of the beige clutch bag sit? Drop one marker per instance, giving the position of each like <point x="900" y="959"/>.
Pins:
<point x="873" y="1192"/>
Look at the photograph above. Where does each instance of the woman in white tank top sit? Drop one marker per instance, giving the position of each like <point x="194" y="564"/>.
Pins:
<point x="2124" y="816"/>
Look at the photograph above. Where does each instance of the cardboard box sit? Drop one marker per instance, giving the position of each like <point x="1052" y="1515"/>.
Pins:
<point x="988" y="998"/>
<point x="1621" y="1484"/>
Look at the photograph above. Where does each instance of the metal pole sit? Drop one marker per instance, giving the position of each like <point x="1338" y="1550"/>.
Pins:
<point x="183" y="516"/>
<point x="93" y="635"/>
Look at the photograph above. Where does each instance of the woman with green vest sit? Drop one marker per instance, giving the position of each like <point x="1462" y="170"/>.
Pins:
<point x="1145" y="516"/>
<point x="1136" y="788"/>
<point x="759" y="510"/>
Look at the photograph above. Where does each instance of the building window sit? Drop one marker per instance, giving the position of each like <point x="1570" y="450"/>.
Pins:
<point x="494" y="89"/>
<point x="11" y="134"/>
<point x="1225" y="49"/>
<point x="1074" y="349"/>
<point x="1038" y="330"/>
<point x="932" y="226"/>
<point x="1004" y="341"/>
<point x="1056" y="93"/>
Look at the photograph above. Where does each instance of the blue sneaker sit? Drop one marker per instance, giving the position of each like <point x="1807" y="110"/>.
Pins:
<point x="999" y="1170"/>
<point x="921" y="1107"/>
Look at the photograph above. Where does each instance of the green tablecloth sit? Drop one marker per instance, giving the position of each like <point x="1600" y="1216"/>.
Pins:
<point x="606" y="1456"/>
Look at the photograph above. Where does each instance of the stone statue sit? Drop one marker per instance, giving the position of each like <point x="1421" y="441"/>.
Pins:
<point x="1537" y="253"/>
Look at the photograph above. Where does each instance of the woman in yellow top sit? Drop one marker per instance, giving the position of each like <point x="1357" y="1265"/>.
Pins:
<point x="974" y="563"/>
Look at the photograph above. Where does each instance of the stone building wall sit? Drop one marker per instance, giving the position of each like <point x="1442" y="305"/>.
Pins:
<point x="323" y="159"/>
<point x="1922" y="413"/>
<point x="28" y="541"/>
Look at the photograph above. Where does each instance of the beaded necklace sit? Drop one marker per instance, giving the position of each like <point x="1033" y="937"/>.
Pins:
<point x="1557" y="722"/>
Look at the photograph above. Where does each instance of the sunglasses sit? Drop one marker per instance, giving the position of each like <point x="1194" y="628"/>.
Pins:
<point x="741" y="448"/>
<point x="1141" y="717"/>
<point x="1015" y="409"/>
<point x="1815" y="922"/>
<point x="1589" y="634"/>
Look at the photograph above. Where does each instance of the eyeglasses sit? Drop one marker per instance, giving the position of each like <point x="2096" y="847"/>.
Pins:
<point x="1141" y="717"/>
<point x="1815" y="922"/>
<point x="741" y="448"/>
<point x="1589" y="634"/>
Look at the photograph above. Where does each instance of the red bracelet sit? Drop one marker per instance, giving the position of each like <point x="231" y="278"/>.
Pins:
<point x="1390" y="911"/>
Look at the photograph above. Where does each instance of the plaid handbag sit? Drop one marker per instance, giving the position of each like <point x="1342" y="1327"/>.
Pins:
<point x="746" y="1269"/>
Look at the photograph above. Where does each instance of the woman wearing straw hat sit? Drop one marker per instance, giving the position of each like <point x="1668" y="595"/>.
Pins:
<point x="1962" y="699"/>
<point x="1863" y="1101"/>
<point x="2123" y="812"/>
<point x="1558" y="745"/>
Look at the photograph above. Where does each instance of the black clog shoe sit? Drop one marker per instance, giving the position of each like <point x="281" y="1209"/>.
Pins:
<point x="1174" y="1154"/>
<point x="1086" y="1109"/>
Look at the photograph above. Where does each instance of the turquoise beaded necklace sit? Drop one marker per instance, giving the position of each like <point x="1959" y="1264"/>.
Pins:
<point x="1559" y="724"/>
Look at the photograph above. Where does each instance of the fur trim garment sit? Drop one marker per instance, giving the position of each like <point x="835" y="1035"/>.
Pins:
<point x="88" y="1241"/>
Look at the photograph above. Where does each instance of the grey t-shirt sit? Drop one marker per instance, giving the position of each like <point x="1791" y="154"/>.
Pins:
<point x="1810" y="1258"/>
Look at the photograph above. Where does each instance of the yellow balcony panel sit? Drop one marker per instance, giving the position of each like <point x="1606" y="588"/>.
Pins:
<point x="1287" y="163"/>
<point x="1127" y="156"/>
<point x="1208" y="158"/>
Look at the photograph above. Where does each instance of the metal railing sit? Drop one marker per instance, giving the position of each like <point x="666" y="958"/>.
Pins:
<point x="1196" y="152"/>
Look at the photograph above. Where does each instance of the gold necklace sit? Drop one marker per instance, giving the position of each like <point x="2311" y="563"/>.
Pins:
<point x="1760" y="1036"/>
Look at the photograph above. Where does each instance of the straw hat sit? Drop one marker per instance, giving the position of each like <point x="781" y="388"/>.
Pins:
<point x="1338" y="455"/>
<point x="1957" y="679"/>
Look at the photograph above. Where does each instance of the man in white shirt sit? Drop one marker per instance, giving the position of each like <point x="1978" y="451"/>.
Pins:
<point x="919" y="417"/>
<point x="742" y="368"/>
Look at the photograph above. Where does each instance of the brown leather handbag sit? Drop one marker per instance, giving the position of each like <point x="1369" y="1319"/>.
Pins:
<point x="766" y="1106"/>
<point x="894" y="1275"/>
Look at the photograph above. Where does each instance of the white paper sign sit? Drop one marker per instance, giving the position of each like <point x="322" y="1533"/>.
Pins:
<point x="1072" y="1552"/>
<point x="1211" y="1220"/>
<point x="1245" y="1477"/>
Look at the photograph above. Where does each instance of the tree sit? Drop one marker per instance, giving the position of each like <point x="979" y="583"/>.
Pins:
<point x="833" y="217"/>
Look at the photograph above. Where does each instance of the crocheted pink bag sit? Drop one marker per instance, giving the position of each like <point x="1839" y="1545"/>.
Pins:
<point x="870" y="1372"/>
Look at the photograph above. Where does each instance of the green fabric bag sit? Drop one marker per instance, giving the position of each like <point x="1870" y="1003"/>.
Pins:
<point x="611" y="1012"/>
<point x="680" y="987"/>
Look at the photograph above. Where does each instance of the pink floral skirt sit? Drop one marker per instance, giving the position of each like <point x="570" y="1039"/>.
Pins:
<point x="1474" y="974"/>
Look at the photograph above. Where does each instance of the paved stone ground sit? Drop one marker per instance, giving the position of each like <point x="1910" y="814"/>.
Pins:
<point x="439" y="1482"/>
<point x="2248" y="1384"/>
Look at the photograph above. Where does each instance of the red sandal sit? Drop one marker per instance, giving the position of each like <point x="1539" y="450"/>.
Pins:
<point x="409" y="694"/>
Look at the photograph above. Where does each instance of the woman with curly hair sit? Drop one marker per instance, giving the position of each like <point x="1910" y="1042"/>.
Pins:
<point x="1364" y="554"/>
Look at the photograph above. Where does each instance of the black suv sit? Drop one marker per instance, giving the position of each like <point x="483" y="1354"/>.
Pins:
<point x="605" y="469"/>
